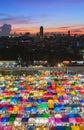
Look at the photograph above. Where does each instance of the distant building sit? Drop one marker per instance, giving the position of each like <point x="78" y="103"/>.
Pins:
<point x="27" y="34"/>
<point x="69" y="33"/>
<point x="41" y="32"/>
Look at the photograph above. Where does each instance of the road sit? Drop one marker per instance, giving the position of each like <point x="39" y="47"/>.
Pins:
<point x="61" y="69"/>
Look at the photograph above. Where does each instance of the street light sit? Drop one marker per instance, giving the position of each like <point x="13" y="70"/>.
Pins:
<point x="59" y="65"/>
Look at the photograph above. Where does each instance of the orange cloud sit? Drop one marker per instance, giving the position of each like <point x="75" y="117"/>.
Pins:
<point x="73" y="30"/>
<point x="23" y="30"/>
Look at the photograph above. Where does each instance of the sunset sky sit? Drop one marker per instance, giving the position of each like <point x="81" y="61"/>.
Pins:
<point x="53" y="15"/>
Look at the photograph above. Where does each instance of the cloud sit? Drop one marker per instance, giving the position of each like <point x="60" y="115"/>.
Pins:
<point x="65" y="27"/>
<point x="17" y="20"/>
<point x="22" y="23"/>
<point x="23" y="30"/>
<point x="73" y="28"/>
<point x="50" y="29"/>
<point x="78" y="30"/>
<point x="5" y="30"/>
<point x="26" y="19"/>
<point x="3" y="14"/>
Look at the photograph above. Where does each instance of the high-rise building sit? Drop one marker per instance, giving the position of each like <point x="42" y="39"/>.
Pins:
<point x="69" y="33"/>
<point x="41" y="32"/>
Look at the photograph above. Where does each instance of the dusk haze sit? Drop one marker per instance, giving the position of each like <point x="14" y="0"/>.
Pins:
<point x="54" y="15"/>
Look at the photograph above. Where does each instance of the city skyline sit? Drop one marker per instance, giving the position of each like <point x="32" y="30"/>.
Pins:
<point x="55" y="16"/>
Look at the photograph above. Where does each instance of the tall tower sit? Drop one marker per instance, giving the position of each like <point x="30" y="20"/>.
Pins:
<point x="69" y="33"/>
<point x="41" y="32"/>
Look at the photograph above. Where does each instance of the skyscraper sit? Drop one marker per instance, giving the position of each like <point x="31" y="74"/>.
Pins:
<point x="69" y="33"/>
<point x="41" y="32"/>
